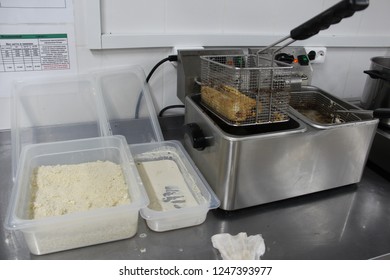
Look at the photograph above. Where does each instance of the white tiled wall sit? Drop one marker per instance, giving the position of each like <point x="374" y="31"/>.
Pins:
<point x="341" y="74"/>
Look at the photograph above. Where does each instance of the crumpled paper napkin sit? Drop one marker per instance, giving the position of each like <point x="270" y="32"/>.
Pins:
<point x="240" y="246"/>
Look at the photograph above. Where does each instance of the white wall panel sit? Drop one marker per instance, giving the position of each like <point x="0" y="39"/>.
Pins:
<point x="342" y="73"/>
<point x="259" y="22"/>
<point x="133" y="17"/>
<point x="194" y="17"/>
<point x="164" y="23"/>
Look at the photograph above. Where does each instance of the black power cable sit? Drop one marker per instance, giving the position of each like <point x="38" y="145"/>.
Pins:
<point x="169" y="107"/>
<point x="169" y="58"/>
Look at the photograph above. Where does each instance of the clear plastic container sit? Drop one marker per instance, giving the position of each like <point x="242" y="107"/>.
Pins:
<point x="78" y="229"/>
<point x="114" y="101"/>
<point x="128" y="105"/>
<point x="63" y="108"/>
<point x="180" y="215"/>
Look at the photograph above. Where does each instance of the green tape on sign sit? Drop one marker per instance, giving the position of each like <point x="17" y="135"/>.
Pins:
<point x="32" y="36"/>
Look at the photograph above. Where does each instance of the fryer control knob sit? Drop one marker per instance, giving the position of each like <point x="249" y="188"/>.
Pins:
<point x="196" y="136"/>
<point x="284" y="57"/>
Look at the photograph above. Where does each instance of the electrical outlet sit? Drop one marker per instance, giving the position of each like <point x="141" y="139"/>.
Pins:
<point x="316" y="54"/>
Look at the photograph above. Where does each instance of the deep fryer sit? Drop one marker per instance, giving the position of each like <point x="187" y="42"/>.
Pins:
<point x="249" y="165"/>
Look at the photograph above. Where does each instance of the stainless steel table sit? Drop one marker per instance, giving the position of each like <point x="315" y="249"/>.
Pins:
<point x="350" y="222"/>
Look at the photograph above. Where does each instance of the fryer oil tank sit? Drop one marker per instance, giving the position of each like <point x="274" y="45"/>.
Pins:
<point x="248" y="170"/>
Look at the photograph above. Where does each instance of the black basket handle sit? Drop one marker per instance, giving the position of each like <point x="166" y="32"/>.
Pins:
<point x="381" y="113"/>
<point x="333" y="15"/>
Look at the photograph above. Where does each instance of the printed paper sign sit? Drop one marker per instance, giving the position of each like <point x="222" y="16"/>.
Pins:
<point x="34" y="52"/>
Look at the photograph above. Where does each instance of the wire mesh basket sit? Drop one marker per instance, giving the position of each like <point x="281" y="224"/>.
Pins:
<point x="246" y="89"/>
<point x="320" y="109"/>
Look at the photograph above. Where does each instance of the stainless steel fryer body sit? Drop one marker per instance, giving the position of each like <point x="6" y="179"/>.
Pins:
<point x="252" y="170"/>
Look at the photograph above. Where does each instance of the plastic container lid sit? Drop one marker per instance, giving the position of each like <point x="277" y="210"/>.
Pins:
<point x="128" y="105"/>
<point x="101" y="103"/>
<point x="64" y="108"/>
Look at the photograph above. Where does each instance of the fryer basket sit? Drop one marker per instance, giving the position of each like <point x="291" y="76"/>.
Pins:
<point x="320" y="109"/>
<point x="246" y="89"/>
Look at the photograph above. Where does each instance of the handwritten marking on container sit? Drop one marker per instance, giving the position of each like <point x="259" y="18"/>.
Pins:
<point x="165" y="185"/>
<point x="173" y="195"/>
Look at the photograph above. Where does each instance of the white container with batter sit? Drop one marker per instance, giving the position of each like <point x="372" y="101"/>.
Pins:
<point x="179" y="195"/>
